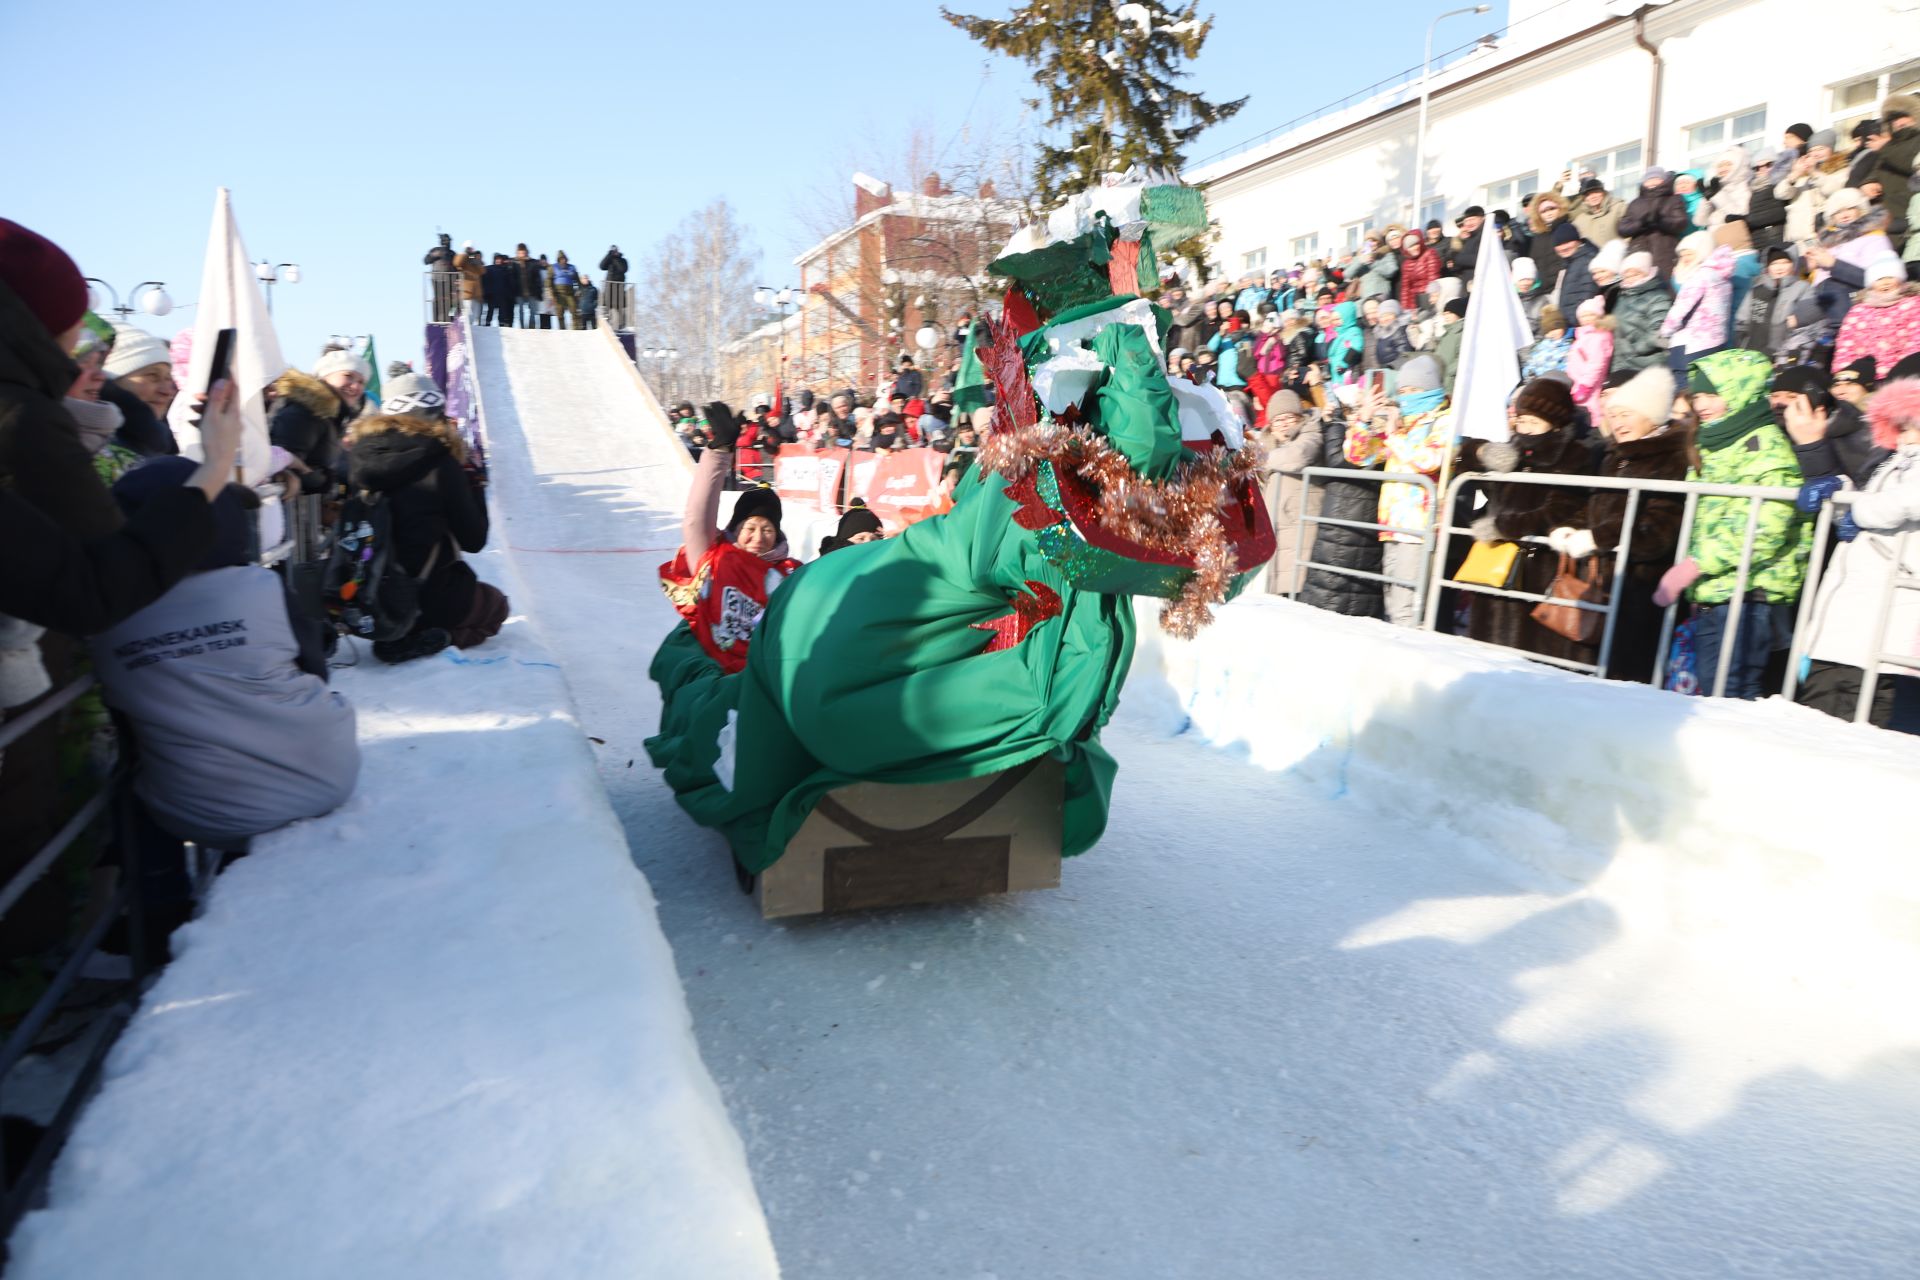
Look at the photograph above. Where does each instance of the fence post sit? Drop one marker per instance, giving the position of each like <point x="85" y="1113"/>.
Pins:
<point x="1681" y="549"/>
<point x="1621" y="558"/>
<point x="1809" y="591"/>
<point x="1300" y="538"/>
<point x="1736" y="606"/>
<point x="1870" y="679"/>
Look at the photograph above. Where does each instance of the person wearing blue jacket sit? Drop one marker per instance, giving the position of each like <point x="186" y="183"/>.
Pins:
<point x="1227" y="346"/>
<point x="566" y="303"/>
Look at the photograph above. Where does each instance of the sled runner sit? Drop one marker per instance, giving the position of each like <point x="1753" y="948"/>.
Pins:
<point x="877" y="844"/>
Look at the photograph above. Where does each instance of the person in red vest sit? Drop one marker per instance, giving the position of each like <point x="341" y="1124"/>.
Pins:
<point x="721" y="579"/>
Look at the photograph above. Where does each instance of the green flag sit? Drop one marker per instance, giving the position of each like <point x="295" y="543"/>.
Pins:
<point x="970" y="388"/>
<point x="373" y="377"/>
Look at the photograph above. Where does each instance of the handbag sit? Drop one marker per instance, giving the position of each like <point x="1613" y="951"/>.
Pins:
<point x="1582" y="626"/>
<point x="1489" y="564"/>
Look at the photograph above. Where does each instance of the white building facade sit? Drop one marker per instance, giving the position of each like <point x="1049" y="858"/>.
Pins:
<point x="1573" y="83"/>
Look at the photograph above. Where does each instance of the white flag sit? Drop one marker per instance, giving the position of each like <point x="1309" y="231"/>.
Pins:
<point x="1489" y="350"/>
<point x="230" y="298"/>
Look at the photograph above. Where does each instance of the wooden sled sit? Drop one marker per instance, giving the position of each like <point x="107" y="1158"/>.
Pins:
<point x="876" y="844"/>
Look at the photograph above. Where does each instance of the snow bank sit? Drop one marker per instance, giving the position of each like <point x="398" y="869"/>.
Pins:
<point x="1709" y="811"/>
<point x="438" y="1033"/>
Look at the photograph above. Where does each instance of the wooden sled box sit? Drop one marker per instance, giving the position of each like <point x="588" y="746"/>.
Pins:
<point x="876" y="844"/>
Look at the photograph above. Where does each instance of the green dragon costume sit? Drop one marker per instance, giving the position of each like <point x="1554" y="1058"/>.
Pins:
<point x="1001" y="631"/>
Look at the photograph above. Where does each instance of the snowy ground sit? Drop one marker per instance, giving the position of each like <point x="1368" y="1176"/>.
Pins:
<point x="1307" y="1010"/>
<point x="435" y="1034"/>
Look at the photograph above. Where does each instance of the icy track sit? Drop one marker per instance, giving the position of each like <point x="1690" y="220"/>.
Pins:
<point x="1400" y="959"/>
<point x="1301" y="1013"/>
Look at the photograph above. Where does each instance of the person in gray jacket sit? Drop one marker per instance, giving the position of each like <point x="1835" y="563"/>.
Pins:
<point x="236" y="730"/>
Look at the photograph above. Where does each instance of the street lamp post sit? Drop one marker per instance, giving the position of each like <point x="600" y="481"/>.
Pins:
<point x="270" y="274"/>
<point x="663" y="359"/>
<point x="156" y="303"/>
<point x="1426" y="75"/>
<point x="780" y="298"/>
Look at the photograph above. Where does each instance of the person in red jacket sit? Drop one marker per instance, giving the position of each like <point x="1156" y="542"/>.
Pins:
<point x="1419" y="268"/>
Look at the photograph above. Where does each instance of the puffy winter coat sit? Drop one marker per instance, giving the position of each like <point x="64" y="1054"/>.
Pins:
<point x="1590" y="358"/>
<point x="1342" y="545"/>
<point x="1730" y="196"/>
<point x="472" y="270"/>
<point x="1598" y="226"/>
<point x="1420" y="443"/>
<point x="1855" y="582"/>
<point x="1806" y="195"/>
<point x="1530" y="511"/>
<point x="308" y="422"/>
<point x="1654" y="547"/>
<point x="235" y="738"/>
<point x="1700" y="312"/>
<point x="1762" y="321"/>
<point x="1576" y="279"/>
<point x="1376" y="277"/>
<point x="1889" y="334"/>
<point x="1285" y="461"/>
<point x="1638" y="310"/>
<point x="437" y="510"/>
<point x="1654" y="222"/>
<point x="615" y="266"/>
<point x="1417" y="272"/>
<point x="1746" y="448"/>
<point x="1893" y="170"/>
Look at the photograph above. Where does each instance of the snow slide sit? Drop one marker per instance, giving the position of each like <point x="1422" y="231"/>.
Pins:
<point x="1399" y="958"/>
<point x="437" y="1033"/>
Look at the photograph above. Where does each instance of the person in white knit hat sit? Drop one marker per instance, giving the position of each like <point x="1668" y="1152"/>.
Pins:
<point x="311" y="412"/>
<point x="1641" y="446"/>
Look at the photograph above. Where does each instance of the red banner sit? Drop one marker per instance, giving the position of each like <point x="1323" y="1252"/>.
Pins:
<point x="902" y="487"/>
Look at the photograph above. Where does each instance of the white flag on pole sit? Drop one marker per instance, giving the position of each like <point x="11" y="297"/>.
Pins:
<point x="1489" y="350"/>
<point x="230" y="298"/>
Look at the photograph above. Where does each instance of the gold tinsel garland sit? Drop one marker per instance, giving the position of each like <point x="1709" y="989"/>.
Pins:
<point x="1182" y="516"/>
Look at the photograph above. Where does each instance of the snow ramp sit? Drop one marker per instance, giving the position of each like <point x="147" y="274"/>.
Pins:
<point x="437" y="1033"/>
<point x="1399" y="958"/>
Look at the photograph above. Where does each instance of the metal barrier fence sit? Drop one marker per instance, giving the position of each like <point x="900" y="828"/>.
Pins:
<point x="616" y="304"/>
<point x="1879" y="656"/>
<point x="115" y="795"/>
<point x="1755" y="495"/>
<point x="442" y="296"/>
<point x="1301" y="564"/>
<point x="1438" y="538"/>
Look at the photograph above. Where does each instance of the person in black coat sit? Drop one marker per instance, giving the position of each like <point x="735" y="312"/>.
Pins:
<point x="310" y="416"/>
<point x="419" y="465"/>
<point x="1576" y="267"/>
<point x="499" y="289"/>
<point x="1655" y="220"/>
<point x="614" y="265"/>
<point x="1766" y="212"/>
<point x="1348" y="548"/>
<point x="908" y="383"/>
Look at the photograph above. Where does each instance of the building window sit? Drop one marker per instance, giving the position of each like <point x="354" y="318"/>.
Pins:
<point x="1620" y="169"/>
<point x="1705" y="141"/>
<point x="1509" y="192"/>
<point x="1350" y="235"/>
<point x="1305" y="247"/>
<point x="1856" y="100"/>
<point x="1435" y="210"/>
<point x="1251" y="262"/>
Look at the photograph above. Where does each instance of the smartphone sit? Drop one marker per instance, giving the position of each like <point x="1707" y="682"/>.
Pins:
<point x="222" y="358"/>
<point x="1379" y="379"/>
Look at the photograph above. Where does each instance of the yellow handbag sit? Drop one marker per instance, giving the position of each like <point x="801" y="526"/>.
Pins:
<point x="1489" y="564"/>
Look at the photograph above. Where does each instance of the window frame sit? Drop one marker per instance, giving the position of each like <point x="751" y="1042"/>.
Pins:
<point x="1902" y="77"/>
<point x="1626" y="182"/>
<point x="1511" y="201"/>
<point x="1253" y="260"/>
<point x="1305" y="247"/>
<point x="1702" y="157"/>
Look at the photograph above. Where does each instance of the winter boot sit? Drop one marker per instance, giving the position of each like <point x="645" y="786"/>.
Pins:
<point x="421" y="644"/>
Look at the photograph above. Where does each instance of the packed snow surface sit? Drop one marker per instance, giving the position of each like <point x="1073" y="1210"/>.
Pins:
<point x="1399" y="958"/>
<point x="435" y="1034"/>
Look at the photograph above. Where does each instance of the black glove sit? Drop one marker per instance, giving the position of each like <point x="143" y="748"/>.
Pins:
<point x="723" y="429"/>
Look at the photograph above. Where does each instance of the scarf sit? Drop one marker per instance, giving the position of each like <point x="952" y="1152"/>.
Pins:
<point x="1413" y="403"/>
<point x="1718" y="435"/>
<point x="97" y="420"/>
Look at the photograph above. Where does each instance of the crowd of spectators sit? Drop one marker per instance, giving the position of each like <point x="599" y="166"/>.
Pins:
<point x="137" y="556"/>
<point x="520" y="289"/>
<point x="1755" y="323"/>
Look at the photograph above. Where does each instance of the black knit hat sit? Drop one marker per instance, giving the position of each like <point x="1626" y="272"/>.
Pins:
<point x="1547" y="399"/>
<point x="1456" y="307"/>
<point x="1565" y="233"/>
<point x="1865" y="372"/>
<point x="1474" y="211"/>
<point x="761" y="500"/>
<point x="858" y="519"/>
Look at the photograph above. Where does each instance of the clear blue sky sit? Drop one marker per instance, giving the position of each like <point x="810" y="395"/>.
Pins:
<point x="350" y="131"/>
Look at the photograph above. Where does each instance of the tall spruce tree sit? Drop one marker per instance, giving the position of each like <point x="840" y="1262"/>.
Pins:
<point x="1109" y="71"/>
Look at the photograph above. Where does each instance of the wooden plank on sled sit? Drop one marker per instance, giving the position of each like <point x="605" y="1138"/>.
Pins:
<point x="877" y="844"/>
